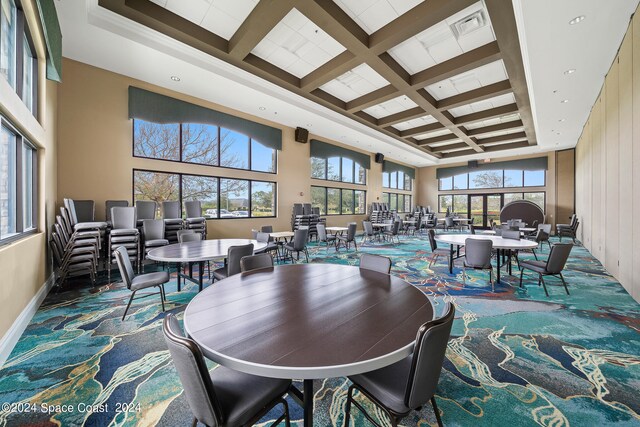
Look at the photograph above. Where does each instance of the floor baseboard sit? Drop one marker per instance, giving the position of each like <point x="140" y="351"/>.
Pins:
<point x="9" y="340"/>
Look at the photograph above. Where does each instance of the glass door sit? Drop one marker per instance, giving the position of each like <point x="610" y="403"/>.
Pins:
<point x="476" y="210"/>
<point x="493" y="206"/>
<point x="483" y="208"/>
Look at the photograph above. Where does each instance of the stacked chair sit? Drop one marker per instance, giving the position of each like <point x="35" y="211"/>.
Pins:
<point x="153" y="235"/>
<point x="195" y="221"/>
<point x="568" y="230"/>
<point x="145" y="209"/>
<point x="124" y="233"/>
<point x="74" y="254"/>
<point x="85" y="210"/>
<point x="70" y="215"/>
<point x="113" y="204"/>
<point x="172" y="220"/>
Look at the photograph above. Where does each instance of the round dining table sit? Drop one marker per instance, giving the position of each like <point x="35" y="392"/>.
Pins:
<point x="307" y="321"/>
<point x="500" y="244"/>
<point x="198" y="252"/>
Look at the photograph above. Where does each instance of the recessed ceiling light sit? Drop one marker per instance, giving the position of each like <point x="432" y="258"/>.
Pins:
<point x="570" y="71"/>
<point x="562" y="120"/>
<point x="564" y="101"/>
<point x="261" y="108"/>
<point x="555" y="91"/>
<point x="577" y="20"/>
<point x="558" y="133"/>
<point x="309" y="125"/>
<point x="175" y="78"/>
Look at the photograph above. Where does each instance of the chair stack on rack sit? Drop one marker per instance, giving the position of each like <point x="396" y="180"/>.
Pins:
<point x="124" y="233"/>
<point x="99" y="227"/>
<point x="195" y="221"/>
<point x="172" y="220"/>
<point x="304" y="215"/>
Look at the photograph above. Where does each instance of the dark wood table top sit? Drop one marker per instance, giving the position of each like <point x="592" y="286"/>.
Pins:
<point x="203" y="250"/>
<point x="307" y="321"/>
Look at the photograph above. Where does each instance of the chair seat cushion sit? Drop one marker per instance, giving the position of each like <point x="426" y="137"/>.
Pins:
<point x="220" y="273"/>
<point x="89" y="225"/>
<point x="537" y="266"/>
<point x="195" y="220"/>
<point x="388" y="385"/>
<point x="124" y="240"/>
<point x="156" y="242"/>
<point x="241" y="395"/>
<point x="124" y="231"/>
<point x="173" y="221"/>
<point x="150" y="279"/>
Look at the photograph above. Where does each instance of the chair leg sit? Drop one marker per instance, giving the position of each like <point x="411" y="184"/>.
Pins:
<point x="534" y="254"/>
<point x="347" y="412"/>
<point x="464" y="275"/>
<point x="564" y="283"/>
<point x="306" y="255"/>
<point x="436" y="411"/>
<point x="493" y="287"/>
<point x="161" y="297"/>
<point x="128" y="305"/>
<point x="521" y="273"/>
<point x="544" y="285"/>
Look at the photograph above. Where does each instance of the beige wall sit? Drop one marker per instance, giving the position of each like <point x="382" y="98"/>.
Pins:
<point x="558" y="167"/>
<point x="95" y="153"/>
<point x="25" y="264"/>
<point x="607" y="183"/>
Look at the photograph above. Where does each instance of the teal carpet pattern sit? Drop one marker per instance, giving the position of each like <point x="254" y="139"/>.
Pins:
<point x="515" y="357"/>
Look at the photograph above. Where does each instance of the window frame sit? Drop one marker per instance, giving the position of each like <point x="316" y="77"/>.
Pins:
<point x="452" y="181"/>
<point x="340" y="190"/>
<point x="20" y="142"/>
<point x="341" y="177"/>
<point x="386" y="198"/>
<point x="219" y="178"/>
<point x="181" y="149"/>
<point x="502" y="203"/>
<point x="398" y="187"/>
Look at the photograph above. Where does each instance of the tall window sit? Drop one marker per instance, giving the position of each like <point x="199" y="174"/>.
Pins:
<point x="458" y="203"/>
<point x="8" y="20"/>
<point x="29" y="76"/>
<point x="493" y="179"/>
<point x="397" y="180"/>
<point x="18" y="161"/>
<point x="336" y="201"/>
<point x="338" y="169"/>
<point x="220" y="197"/>
<point x="203" y="144"/>
<point x="397" y="202"/>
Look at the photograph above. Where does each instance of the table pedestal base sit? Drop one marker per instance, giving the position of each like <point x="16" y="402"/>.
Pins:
<point x="189" y="276"/>
<point x="304" y="399"/>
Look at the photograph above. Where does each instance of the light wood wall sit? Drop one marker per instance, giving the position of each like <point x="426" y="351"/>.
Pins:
<point x="607" y="183"/>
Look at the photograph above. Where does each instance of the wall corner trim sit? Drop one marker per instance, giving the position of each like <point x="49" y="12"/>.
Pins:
<point x="9" y="340"/>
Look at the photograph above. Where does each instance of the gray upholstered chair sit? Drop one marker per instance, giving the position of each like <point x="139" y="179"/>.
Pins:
<point x="349" y="238"/>
<point x="477" y="255"/>
<point x="323" y="237"/>
<point x="298" y="244"/>
<point x="123" y="233"/>
<point x="271" y="248"/>
<point x="172" y="216"/>
<point x="194" y="219"/>
<point x="553" y="266"/>
<point x="153" y="233"/>
<point x="379" y="263"/>
<point x="255" y="262"/>
<point x="369" y="234"/>
<point x="547" y="229"/>
<point x="449" y="223"/>
<point x="145" y="209"/>
<point x="222" y="397"/>
<point x="569" y="231"/>
<point x="232" y="263"/>
<point x="539" y="237"/>
<point x="392" y="232"/>
<point x="189" y="237"/>
<point x="409" y="384"/>
<point x="72" y="262"/>
<point x="142" y="281"/>
<point x="113" y="204"/>
<point x="436" y="252"/>
<point x="85" y="210"/>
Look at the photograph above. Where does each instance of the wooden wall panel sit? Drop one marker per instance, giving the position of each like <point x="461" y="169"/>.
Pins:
<point x="625" y="163"/>
<point x="611" y="174"/>
<point x="596" y="189"/>
<point x="565" y="184"/>
<point x="635" y="25"/>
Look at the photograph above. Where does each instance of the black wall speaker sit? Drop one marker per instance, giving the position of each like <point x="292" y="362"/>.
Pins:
<point x="379" y="157"/>
<point x="473" y="164"/>
<point x="302" y="135"/>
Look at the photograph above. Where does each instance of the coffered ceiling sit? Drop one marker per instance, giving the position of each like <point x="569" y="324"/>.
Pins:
<point x="445" y="77"/>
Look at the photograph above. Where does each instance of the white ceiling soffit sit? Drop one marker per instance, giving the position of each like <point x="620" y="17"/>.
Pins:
<point x="551" y="46"/>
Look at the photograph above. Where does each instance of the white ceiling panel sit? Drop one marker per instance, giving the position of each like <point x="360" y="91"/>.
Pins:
<point x="355" y="83"/>
<point x="224" y="17"/>
<point x="297" y="45"/>
<point x="371" y="15"/>
<point x="432" y="134"/>
<point x="392" y="106"/>
<point x="500" y="132"/>
<point x="495" y="121"/>
<point x="474" y="79"/>
<point x="420" y="121"/>
<point x="193" y="10"/>
<point x="439" y="42"/>
<point x="496" y="101"/>
<point x="442" y="144"/>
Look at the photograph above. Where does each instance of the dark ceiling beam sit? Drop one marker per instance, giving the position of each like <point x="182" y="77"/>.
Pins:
<point x="445" y="148"/>
<point x="511" y="146"/>
<point x="437" y="139"/>
<point x="330" y="70"/>
<point x="494" y="128"/>
<point x="376" y="97"/>
<point x="418" y="130"/>
<point x="475" y="95"/>
<point x="266" y="15"/>
<point x="503" y="138"/>
<point x="458" y="154"/>
<point x="504" y="26"/>
<point x="486" y="114"/>
<point x="402" y="116"/>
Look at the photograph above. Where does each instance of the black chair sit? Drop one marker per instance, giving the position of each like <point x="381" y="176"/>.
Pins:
<point x="298" y="244"/>
<point x="349" y="238"/>
<point x="477" y="255"/>
<point x="405" y="386"/>
<point x="222" y="397"/>
<point x="436" y="252"/>
<point x="553" y="266"/>
<point x="271" y="248"/>
<point x="143" y="281"/>
<point x="569" y="231"/>
<point x="323" y="237"/>
<point x="232" y="262"/>
<point x="255" y="262"/>
<point x="378" y="263"/>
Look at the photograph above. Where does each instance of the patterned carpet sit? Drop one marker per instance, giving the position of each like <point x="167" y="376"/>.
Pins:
<point x="515" y="357"/>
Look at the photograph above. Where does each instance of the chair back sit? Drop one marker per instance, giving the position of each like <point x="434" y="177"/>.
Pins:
<point x="545" y="227"/>
<point x="71" y="209"/>
<point x="472" y="228"/>
<point x="368" y="228"/>
<point x="511" y="234"/>
<point x="193" y="373"/>
<point x="267" y="228"/>
<point x="574" y="219"/>
<point x="189" y="237"/>
<point x="124" y="265"/>
<point x="428" y="357"/>
<point x="234" y="255"/>
<point x="262" y="237"/>
<point x="66" y="221"/>
<point x="255" y="262"/>
<point x="85" y="210"/>
<point x="54" y="243"/>
<point x="432" y="239"/>
<point x="171" y="210"/>
<point x="193" y="208"/>
<point x="558" y="257"/>
<point x="541" y="236"/>
<point x="254" y="234"/>
<point x="153" y="229"/>
<point x="181" y="233"/>
<point x="300" y="237"/>
<point x="395" y="227"/>
<point x="477" y="252"/>
<point x="146" y="209"/>
<point x="113" y="204"/>
<point x="351" y="231"/>
<point x="322" y="233"/>
<point x="534" y="224"/>
<point x="123" y="218"/>
<point x="378" y="263"/>
<point x="448" y="221"/>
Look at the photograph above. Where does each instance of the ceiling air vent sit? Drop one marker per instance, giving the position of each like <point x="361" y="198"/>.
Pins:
<point x="469" y="24"/>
